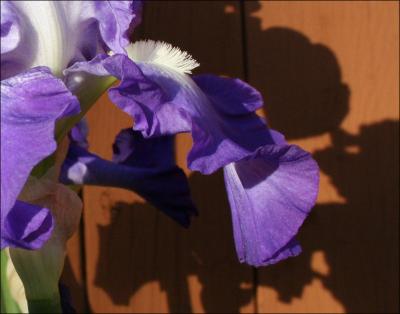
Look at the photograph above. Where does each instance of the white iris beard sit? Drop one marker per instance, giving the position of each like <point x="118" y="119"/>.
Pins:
<point x="162" y="62"/>
<point x="163" y="54"/>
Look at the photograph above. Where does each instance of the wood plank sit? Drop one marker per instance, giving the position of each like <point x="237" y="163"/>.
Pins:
<point x="74" y="273"/>
<point x="137" y="259"/>
<point x="329" y="72"/>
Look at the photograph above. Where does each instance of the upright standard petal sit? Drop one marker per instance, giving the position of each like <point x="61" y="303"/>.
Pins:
<point x="17" y="42"/>
<point x="271" y="192"/>
<point x="115" y="19"/>
<point x="145" y="166"/>
<point x="10" y="27"/>
<point x="30" y="105"/>
<point x="58" y="33"/>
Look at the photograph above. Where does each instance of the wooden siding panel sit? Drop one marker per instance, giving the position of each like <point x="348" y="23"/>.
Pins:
<point x="329" y="72"/>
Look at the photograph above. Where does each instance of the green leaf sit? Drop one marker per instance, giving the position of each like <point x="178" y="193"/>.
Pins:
<point x="8" y="304"/>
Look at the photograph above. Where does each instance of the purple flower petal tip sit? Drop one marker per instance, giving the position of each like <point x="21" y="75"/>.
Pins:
<point x="26" y="226"/>
<point x="271" y="193"/>
<point x="117" y="19"/>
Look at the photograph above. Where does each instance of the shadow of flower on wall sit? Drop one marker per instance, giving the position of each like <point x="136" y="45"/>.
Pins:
<point x="304" y="97"/>
<point x="351" y="237"/>
<point x="123" y="265"/>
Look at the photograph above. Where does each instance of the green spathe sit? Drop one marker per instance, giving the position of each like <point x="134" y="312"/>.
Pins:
<point x="40" y="270"/>
<point x="8" y="304"/>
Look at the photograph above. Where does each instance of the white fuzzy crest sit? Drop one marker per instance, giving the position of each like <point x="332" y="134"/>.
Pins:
<point x="163" y="54"/>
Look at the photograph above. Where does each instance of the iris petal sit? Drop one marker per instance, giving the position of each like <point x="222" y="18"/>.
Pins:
<point x="58" y="33"/>
<point x="145" y="166"/>
<point x="230" y="130"/>
<point x="137" y="95"/>
<point x="30" y="104"/>
<point x="132" y="149"/>
<point x="271" y="192"/>
<point x="10" y="27"/>
<point x="18" y="41"/>
<point x="26" y="226"/>
<point x="114" y="19"/>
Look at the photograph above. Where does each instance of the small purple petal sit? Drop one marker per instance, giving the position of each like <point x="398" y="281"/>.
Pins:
<point x="79" y="133"/>
<point x="157" y="179"/>
<point x="101" y="25"/>
<point x="10" y="27"/>
<point x="271" y="192"/>
<point x="26" y="226"/>
<point x="30" y="105"/>
<point x="115" y="19"/>
<point x="132" y="149"/>
<point x="17" y="41"/>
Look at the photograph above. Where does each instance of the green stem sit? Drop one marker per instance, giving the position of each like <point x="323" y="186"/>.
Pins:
<point x="89" y="93"/>
<point x="45" y="306"/>
<point x="41" y="168"/>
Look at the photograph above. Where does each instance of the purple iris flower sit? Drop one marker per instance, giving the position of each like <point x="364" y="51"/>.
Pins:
<point x="146" y="166"/>
<point x="39" y="40"/>
<point x="49" y="48"/>
<point x="271" y="185"/>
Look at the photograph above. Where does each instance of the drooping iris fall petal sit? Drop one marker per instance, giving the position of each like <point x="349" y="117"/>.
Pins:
<point x="271" y="192"/>
<point x="30" y="105"/>
<point x="272" y="189"/>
